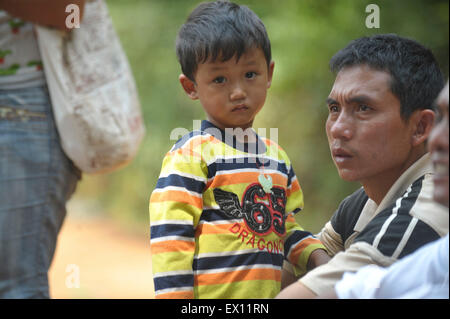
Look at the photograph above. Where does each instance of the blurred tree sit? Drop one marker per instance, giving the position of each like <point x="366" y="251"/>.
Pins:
<point x="304" y="34"/>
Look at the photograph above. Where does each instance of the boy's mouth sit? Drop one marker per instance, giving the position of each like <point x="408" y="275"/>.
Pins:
<point x="240" y="107"/>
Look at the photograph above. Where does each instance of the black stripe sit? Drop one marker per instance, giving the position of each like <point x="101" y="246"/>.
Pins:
<point x="421" y="235"/>
<point x="397" y="227"/>
<point x="171" y="230"/>
<point x="347" y="214"/>
<point x="173" y="281"/>
<point x="221" y="165"/>
<point x="212" y="215"/>
<point x="262" y="257"/>
<point x="181" y="181"/>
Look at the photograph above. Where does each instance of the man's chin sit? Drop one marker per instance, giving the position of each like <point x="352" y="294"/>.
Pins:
<point x="348" y="176"/>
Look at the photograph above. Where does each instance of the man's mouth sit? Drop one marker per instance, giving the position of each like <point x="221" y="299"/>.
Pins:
<point x="340" y="155"/>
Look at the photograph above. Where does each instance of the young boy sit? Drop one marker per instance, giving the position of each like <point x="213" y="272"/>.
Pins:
<point x="222" y="214"/>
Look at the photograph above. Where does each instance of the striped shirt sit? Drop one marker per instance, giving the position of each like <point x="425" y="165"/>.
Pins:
<point x="361" y="233"/>
<point x="216" y="232"/>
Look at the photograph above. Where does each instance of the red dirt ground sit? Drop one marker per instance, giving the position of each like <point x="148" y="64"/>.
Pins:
<point x="111" y="263"/>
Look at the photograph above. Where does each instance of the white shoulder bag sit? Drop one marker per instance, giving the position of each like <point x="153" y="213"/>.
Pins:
<point x="94" y="96"/>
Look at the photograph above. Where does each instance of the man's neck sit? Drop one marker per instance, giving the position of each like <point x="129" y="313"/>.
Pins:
<point x="377" y="187"/>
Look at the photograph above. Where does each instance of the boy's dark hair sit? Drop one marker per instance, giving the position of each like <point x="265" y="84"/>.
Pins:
<point x="219" y="29"/>
<point x="416" y="78"/>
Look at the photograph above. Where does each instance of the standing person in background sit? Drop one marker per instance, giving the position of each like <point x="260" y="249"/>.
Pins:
<point x="36" y="177"/>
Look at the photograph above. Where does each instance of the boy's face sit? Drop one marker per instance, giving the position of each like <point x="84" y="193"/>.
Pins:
<point x="231" y="92"/>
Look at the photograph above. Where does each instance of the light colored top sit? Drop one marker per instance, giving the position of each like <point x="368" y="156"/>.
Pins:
<point x="423" y="274"/>
<point x="20" y="60"/>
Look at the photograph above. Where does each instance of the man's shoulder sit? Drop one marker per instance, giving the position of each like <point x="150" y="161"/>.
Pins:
<point x="399" y="229"/>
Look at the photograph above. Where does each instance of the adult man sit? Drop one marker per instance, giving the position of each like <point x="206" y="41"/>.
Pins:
<point x="423" y="274"/>
<point x="380" y="116"/>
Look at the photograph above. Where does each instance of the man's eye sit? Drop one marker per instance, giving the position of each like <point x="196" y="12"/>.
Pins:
<point x="364" y="108"/>
<point x="250" y="75"/>
<point x="333" y="108"/>
<point x="219" y="80"/>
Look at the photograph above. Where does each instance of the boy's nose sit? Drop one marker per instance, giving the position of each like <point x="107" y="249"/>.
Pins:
<point x="237" y="93"/>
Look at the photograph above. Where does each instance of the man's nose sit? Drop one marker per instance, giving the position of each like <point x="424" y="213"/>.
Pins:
<point x="342" y="127"/>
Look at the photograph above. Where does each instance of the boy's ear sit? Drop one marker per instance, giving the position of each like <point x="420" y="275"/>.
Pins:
<point x="423" y="123"/>
<point x="188" y="86"/>
<point x="271" y="67"/>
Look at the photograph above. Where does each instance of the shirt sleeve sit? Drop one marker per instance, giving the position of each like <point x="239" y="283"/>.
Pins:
<point x="175" y="208"/>
<point x="299" y="244"/>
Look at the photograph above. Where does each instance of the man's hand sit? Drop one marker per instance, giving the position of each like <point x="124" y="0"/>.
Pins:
<point x="51" y="13"/>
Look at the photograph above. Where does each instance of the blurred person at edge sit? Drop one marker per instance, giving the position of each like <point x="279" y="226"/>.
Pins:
<point x="425" y="273"/>
<point x="36" y="177"/>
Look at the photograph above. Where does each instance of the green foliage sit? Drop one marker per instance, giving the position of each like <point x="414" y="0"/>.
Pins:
<point x="304" y="35"/>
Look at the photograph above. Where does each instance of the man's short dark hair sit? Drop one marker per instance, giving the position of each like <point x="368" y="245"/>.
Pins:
<point x="219" y="29"/>
<point x="416" y="78"/>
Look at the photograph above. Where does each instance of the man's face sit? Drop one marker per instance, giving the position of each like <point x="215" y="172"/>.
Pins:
<point x="368" y="139"/>
<point x="438" y="145"/>
<point x="233" y="92"/>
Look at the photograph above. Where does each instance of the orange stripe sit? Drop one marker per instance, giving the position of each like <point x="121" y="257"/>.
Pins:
<point x="295" y="186"/>
<point x="236" y="276"/>
<point x="290" y="219"/>
<point x="176" y="295"/>
<point x="177" y="196"/>
<point x="208" y="229"/>
<point x="293" y="258"/>
<point x="271" y="143"/>
<point x="243" y="178"/>
<point x="169" y="246"/>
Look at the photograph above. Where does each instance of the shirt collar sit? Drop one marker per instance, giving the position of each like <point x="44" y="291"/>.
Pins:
<point x="227" y="137"/>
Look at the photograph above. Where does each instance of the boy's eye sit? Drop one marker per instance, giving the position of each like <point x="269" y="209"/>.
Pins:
<point x="250" y="75"/>
<point x="219" y="80"/>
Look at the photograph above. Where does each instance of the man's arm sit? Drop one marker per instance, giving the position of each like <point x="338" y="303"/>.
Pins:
<point x="296" y="291"/>
<point x="318" y="257"/>
<point x="51" y="13"/>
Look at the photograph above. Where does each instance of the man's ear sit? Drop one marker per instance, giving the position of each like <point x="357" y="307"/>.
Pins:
<point x="271" y="67"/>
<point x="423" y="123"/>
<point x="188" y="86"/>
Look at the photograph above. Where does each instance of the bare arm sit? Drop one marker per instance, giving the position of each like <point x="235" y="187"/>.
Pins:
<point x="50" y="13"/>
<point x="317" y="258"/>
<point x="296" y="291"/>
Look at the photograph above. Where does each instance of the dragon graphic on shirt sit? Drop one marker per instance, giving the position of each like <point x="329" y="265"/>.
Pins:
<point x="262" y="212"/>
